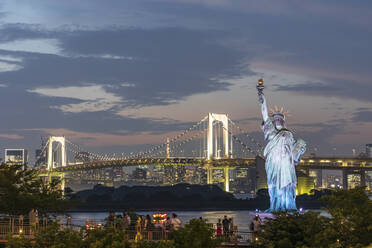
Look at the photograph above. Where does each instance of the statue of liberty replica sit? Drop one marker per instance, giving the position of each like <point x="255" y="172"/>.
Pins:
<point x="282" y="153"/>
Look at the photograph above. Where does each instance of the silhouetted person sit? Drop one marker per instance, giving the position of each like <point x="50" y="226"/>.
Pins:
<point x="225" y="226"/>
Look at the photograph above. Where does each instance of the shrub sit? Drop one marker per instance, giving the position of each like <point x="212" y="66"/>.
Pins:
<point x="196" y="234"/>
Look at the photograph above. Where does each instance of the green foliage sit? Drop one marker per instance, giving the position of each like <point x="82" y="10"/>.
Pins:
<point x="159" y="244"/>
<point x="292" y="229"/>
<point x="350" y="224"/>
<point x="107" y="238"/>
<point x="351" y="212"/>
<point x="53" y="237"/>
<point x="196" y="234"/>
<point x="17" y="241"/>
<point x="21" y="190"/>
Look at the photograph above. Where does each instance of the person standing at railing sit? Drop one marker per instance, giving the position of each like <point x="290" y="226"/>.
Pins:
<point x="148" y="223"/>
<point x="31" y="219"/>
<point x="118" y="219"/>
<point x="68" y="222"/>
<point x="36" y="219"/>
<point x="225" y="226"/>
<point x="128" y="218"/>
<point x="138" y="228"/>
<point x="176" y="223"/>
<point x="219" y="229"/>
<point x="124" y="222"/>
<point x="21" y="220"/>
<point x="167" y="224"/>
<point x="231" y="227"/>
<point x="256" y="224"/>
<point x="110" y="220"/>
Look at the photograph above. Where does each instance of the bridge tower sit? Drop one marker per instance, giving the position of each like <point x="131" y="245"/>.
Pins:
<point x="212" y="117"/>
<point x="50" y="162"/>
<point x="62" y="145"/>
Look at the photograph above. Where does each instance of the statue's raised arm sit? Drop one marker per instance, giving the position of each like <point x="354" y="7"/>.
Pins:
<point x="261" y="98"/>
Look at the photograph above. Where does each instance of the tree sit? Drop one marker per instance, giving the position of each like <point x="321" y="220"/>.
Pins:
<point x="17" y="241"/>
<point x="350" y="224"/>
<point x="196" y="234"/>
<point x="109" y="237"/>
<point x="54" y="237"/>
<point x="293" y="229"/>
<point x="21" y="190"/>
<point x="351" y="212"/>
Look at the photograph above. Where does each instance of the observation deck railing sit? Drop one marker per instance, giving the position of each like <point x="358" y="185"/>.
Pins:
<point x="11" y="225"/>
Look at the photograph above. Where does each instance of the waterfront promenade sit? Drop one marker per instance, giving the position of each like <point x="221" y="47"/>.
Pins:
<point x="22" y="227"/>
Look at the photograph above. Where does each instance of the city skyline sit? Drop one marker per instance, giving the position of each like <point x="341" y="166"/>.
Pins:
<point x="115" y="76"/>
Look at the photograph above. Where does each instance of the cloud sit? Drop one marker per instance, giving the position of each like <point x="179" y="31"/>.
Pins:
<point x="48" y="46"/>
<point x="11" y="136"/>
<point x="362" y="115"/>
<point x="320" y="135"/>
<point x="162" y="65"/>
<point x="352" y="13"/>
<point x="95" y="98"/>
<point x="7" y="58"/>
<point x="11" y="32"/>
<point x="91" y="92"/>
<point x="332" y="88"/>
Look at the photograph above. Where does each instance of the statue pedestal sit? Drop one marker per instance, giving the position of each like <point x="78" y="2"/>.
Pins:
<point x="262" y="215"/>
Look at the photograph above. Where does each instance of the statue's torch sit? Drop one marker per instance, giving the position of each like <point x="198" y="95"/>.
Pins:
<point x="260" y="85"/>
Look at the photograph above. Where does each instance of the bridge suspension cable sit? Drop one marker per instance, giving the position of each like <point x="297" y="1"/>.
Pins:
<point x="243" y="144"/>
<point x="88" y="154"/>
<point x="198" y="134"/>
<point x="157" y="147"/>
<point x="247" y="135"/>
<point x="43" y="152"/>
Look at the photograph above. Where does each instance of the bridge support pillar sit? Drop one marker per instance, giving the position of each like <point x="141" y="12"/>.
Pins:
<point x="63" y="182"/>
<point x="48" y="178"/>
<point x="168" y="149"/>
<point x="209" y="176"/>
<point x="344" y="179"/>
<point x="226" y="182"/>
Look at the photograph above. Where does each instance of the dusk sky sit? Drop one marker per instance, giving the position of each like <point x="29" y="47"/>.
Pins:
<point x="116" y="75"/>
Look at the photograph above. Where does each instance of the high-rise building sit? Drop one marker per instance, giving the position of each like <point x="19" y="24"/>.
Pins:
<point x="16" y="156"/>
<point x="369" y="150"/>
<point x="40" y="158"/>
<point x="139" y="173"/>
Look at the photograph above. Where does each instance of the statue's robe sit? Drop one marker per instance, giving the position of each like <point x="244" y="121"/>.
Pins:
<point x="280" y="167"/>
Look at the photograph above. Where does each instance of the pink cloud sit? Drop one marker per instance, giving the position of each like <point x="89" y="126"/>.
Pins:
<point x="10" y="136"/>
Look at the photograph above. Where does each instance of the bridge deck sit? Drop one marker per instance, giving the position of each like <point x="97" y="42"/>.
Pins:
<point x="308" y="163"/>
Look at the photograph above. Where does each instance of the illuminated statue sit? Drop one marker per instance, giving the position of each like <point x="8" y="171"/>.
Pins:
<point x="282" y="153"/>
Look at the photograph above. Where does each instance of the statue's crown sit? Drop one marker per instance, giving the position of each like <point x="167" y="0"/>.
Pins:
<point x="279" y="112"/>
